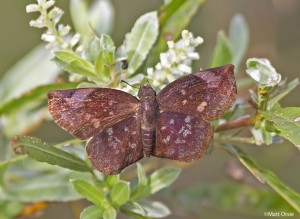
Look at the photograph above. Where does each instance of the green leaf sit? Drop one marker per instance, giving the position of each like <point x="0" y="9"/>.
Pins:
<point x="31" y="71"/>
<point x="101" y="16"/>
<point x="282" y="91"/>
<point x="140" y="40"/>
<point x="10" y="209"/>
<point x="143" y="188"/>
<point x="110" y="213"/>
<point x="163" y="178"/>
<point x="112" y="180"/>
<point x="143" y="181"/>
<point x="93" y="49"/>
<point x="30" y="181"/>
<point x="106" y="57"/>
<point x="90" y="192"/>
<point x="120" y="193"/>
<point x="92" y="212"/>
<point x="78" y="11"/>
<point x="265" y="176"/>
<point x="37" y="93"/>
<point x="173" y="18"/>
<point x="287" y="121"/>
<point x="222" y="54"/>
<point x="238" y="38"/>
<point x="74" y="64"/>
<point x="155" y="209"/>
<point x="135" y="209"/>
<point x="44" y="152"/>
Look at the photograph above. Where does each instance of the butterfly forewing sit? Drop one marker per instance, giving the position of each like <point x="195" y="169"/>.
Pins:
<point x="181" y="137"/>
<point x="206" y="94"/>
<point x="116" y="147"/>
<point x="84" y="112"/>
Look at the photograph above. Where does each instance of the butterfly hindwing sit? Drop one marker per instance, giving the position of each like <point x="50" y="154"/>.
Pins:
<point x="181" y="137"/>
<point x="116" y="146"/>
<point x="83" y="112"/>
<point x="206" y="94"/>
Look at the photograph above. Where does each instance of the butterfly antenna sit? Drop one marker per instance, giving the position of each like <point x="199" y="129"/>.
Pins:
<point x="128" y="83"/>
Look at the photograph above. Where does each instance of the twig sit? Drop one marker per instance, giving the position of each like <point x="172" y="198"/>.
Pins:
<point x="241" y="122"/>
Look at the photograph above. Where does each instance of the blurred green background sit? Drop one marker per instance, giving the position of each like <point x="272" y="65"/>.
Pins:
<point x="274" y="34"/>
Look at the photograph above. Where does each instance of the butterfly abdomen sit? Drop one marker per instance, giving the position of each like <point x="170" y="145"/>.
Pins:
<point x="148" y="106"/>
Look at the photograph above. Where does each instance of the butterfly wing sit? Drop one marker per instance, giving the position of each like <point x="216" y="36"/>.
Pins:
<point x="206" y="94"/>
<point x="83" y="112"/>
<point x="181" y="137"/>
<point x="116" y="146"/>
<point x="186" y="106"/>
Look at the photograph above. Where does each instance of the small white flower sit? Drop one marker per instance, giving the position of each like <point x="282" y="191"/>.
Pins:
<point x="75" y="39"/>
<point x="176" y="61"/>
<point x="185" y="68"/>
<point x="38" y="23"/>
<point x="32" y="8"/>
<point x="51" y="45"/>
<point x="55" y="14"/>
<point x="41" y="2"/>
<point x="48" y="37"/>
<point x="263" y="72"/>
<point x="49" y="4"/>
<point x="64" y="30"/>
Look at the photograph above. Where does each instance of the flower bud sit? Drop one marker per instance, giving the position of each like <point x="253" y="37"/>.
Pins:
<point x="263" y="72"/>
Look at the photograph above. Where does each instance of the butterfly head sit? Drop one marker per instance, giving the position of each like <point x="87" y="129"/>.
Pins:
<point x="146" y="91"/>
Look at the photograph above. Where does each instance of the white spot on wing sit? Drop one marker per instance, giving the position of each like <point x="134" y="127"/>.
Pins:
<point x="167" y="139"/>
<point x="187" y="119"/>
<point x="172" y="121"/>
<point x="183" y="92"/>
<point x="201" y="106"/>
<point x="109" y="131"/>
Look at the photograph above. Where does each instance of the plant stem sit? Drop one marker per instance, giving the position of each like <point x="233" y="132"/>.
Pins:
<point x="241" y="122"/>
<point x="225" y="138"/>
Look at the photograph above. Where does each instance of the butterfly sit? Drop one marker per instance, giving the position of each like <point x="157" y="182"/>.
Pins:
<point x="121" y="128"/>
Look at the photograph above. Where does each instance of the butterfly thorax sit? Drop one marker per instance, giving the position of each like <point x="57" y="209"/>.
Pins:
<point x="148" y="111"/>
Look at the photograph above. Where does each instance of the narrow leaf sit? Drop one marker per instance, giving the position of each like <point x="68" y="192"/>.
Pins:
<point x="120" y="193"/>
<point x="281" y="92"/>
<point x="163" y="178"/>
<point x="287" y="121"/>
<point x="92" y="212"/>
<point x="78" y="11"/>
<point x="101" y="16"/>
<point x="141" y="175"/>
<point x="140" y="40"/>
<point x="238" y="38"/>
<point x="222" y="54"/>
<point x="74" y="64"/>
<point x="90" y="192"/>
<point x="134" y="208"/>
<point x="44" y="152"/>
<point x="265" y="176"/>
<point x="33" y="182"/>
<point x="35" y="94"/>
<point x="155" y="209"/>
<point x="110" y="213"/>
<point x="31" y="71"/>
<point x="112" y="180"/>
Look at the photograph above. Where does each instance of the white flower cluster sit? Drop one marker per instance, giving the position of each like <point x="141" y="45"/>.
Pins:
<point x="176" y="62"/>
<point x="57" y="35"/>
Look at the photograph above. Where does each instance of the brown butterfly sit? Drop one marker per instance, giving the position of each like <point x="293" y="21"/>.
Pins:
<point x="175" y="124"/>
